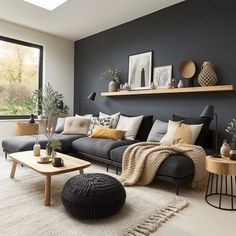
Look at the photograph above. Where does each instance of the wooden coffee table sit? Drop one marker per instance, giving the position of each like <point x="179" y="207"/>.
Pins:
<point x="28" y="159"/>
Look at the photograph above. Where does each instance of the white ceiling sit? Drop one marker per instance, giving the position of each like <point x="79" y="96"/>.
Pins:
<point x="77" y="19"/>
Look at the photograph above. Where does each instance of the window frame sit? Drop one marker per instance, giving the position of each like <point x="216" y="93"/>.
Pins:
<point x="40" y="67"/>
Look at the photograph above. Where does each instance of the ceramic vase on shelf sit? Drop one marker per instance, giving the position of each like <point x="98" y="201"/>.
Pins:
<point x="225" y="149"/>
<point x="207" y="76"/>
<point x="180" y="84"/>
<point x="152" y="86"/>
<point x="112" y="86"/>
<point x="126" y="87"/>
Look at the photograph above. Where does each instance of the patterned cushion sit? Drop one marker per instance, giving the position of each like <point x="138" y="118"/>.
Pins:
<point x="115" y="118"/>
<point x="95" y="121"/>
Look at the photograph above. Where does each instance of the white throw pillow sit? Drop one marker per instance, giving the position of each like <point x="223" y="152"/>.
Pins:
<point x="130" y="125"/>
<point x="115" y="118"/>
<point x="76" y="125"/>
<point x="60" y="124"/>
<point x="178" y="132"/>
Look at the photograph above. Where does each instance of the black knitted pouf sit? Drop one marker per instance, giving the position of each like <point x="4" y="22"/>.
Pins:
<point x="93" y="196"/>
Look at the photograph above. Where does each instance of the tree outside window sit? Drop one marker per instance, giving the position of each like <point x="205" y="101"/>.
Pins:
<point x="20" y="75"/>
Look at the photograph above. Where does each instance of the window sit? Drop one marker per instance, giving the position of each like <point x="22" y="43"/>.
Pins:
<point x="20" y="74"/>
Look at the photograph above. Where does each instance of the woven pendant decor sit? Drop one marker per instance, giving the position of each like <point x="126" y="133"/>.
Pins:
<point x="207" y="76"/>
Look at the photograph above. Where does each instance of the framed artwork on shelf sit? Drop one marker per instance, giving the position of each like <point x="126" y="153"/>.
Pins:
<point x="140" y="71"/>
<point x="162" y="76"/>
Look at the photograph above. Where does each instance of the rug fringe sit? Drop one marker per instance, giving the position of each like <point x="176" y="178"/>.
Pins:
<point x="159" y="217"/>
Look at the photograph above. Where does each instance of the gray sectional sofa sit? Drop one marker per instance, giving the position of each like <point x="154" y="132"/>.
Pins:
<point x="176" y="168"/>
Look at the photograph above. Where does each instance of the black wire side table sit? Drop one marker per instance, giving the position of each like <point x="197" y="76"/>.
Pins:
<point x="221" y="182"/>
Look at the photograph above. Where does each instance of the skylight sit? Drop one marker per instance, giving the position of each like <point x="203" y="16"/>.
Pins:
<point x="47" y="4"/>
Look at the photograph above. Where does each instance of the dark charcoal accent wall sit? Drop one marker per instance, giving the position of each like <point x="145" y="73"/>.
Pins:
<point x="197" y="29"/>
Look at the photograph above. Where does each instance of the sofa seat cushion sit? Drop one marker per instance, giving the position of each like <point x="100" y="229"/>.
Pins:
<point x="176" y="166"/>
<point x="26" y="143"/>
<point x="97" y="146"/>
<point x="117" y="154"/>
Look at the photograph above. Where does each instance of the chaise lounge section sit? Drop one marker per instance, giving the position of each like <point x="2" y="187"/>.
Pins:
<point x="26" y="143"/>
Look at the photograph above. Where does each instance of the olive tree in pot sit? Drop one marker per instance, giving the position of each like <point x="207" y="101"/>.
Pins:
<point x="50" y="103"/>
<point x="111" y="75"/>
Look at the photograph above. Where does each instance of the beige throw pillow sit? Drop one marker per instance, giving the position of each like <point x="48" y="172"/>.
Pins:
<point x="178" y="132"/>
<point x="76" y="125"/>
<point x="130" y="125"/>
<point x="115" y="118"/>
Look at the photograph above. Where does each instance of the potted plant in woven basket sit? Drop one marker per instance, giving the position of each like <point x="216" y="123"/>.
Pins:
<point x="111" y="75"/>
<point x="231" y="129"/>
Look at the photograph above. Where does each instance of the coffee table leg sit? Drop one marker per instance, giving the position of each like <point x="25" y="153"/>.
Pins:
<point x="81" y="171"/>
<point x="13" y="169"/>
<point x="47" y="199"/>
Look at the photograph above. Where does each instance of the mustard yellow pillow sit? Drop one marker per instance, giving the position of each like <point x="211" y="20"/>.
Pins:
<point x="103" y="132"/>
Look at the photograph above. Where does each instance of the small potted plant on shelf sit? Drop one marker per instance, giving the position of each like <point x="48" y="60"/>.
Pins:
<point x="231" y="129"/>
<point x="111" y="75"/>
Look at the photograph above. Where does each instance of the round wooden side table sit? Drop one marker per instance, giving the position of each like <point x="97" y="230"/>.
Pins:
<point x="221" y="181"/>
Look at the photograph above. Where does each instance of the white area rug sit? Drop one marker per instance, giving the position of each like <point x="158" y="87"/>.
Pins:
<point x="22" y="211"/>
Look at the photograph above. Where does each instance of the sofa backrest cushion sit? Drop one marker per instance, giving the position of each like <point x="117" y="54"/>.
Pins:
<point x="131" y="125"/>
<point x="144" y="128"/>
<point x="115" y="118"/>
<point x="158" y="131"/>
<point x="178" y="132"/>
<point x="95" y="121"/>
<point x="60" y="125"/>
<point x="76" y="125"/>
<point x="194" y="121"/>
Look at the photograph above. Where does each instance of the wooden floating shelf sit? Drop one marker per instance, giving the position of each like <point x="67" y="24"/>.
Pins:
<point x="218" y="88"/>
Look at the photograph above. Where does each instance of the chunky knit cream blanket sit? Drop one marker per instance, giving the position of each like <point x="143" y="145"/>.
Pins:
<point x="142" y="160"/>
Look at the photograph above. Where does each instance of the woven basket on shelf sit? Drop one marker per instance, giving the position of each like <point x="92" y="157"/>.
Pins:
<point x="207" y="77"/>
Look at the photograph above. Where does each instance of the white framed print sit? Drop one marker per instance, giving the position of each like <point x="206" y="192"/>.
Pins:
<point x="140" y="71"/>
<point x="162" y="76"/>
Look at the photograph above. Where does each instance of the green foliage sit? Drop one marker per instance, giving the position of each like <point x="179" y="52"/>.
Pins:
<point x="15" y="107"/>
<point x="110" y="75"/>
<point x="32" y="103"/>
<point x="55" y="144"/>
<point x="231" y="128"/>
<point x="12" y="107"/>
<point x="49" y="100"/>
